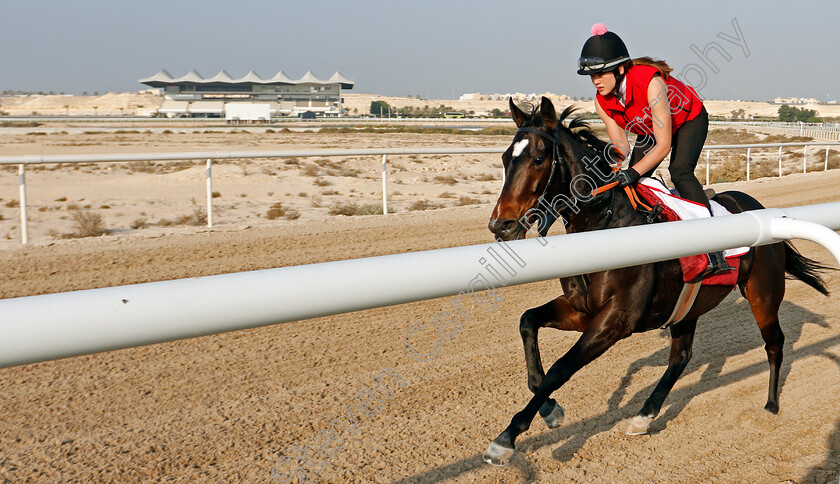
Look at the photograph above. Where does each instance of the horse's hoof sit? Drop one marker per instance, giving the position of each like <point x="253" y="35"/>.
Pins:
<point x="498" y="455"/>
<point x="638" y="425"/>
<point x="555" y="416"/>
<point x="772" y="408"/>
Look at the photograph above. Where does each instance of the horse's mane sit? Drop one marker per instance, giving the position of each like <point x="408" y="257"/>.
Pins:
<point x="574" y="126"/>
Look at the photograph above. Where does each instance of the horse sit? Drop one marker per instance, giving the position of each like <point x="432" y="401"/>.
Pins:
<point x="541" y="165"/>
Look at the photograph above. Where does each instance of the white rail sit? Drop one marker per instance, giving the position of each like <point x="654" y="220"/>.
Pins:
<point x="24" y="160"/>
<point x="209" y="156"/>
<point x="749" y="147"/>
<point x="827" y="131"/>
<point x="39" y="328"/>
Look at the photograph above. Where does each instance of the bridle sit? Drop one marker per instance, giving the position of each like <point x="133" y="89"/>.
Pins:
<point x="557" y="161"/>
<point x="556" y="157"/>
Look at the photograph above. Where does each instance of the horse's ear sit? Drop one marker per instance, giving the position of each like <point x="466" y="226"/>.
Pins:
<point x="549" y="115"/>
<point x="516" y="113"/>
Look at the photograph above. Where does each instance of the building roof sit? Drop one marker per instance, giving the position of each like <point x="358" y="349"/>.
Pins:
<point x="339" y="77"/>
<point x="345" y="83"/>
<point x="310" y="78"/>
<point x="191" y="76"/>
<point x="163" y="78"/>
<point x="251" y="76"/>
<point x="222" y="76"/>
<point x="280" y="77"/>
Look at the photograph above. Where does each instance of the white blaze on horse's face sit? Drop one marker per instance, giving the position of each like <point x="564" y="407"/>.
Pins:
<point x="519" y="147"/>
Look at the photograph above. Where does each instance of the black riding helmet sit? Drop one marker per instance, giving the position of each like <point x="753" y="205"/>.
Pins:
<point x="604" y="51"/>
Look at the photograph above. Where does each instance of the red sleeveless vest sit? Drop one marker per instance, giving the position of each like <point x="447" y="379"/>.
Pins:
<point x="635" y="116"/>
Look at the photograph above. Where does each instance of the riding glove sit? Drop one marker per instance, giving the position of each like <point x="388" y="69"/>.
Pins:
<point x="627" y="177"/>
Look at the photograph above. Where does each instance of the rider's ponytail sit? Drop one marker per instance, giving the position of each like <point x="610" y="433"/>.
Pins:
<point x="663" y="67"/>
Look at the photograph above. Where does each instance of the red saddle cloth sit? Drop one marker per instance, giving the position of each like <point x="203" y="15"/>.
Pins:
<point x="692" y="265"/>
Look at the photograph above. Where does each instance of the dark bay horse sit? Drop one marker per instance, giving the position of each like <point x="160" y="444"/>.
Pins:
<point x="541" y="166"/>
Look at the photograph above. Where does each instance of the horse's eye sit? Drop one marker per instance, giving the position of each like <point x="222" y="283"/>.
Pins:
<point x="538" y="161"/>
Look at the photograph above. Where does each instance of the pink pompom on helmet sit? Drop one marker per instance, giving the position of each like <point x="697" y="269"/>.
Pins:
<point x="603" y="52"/>
<point x="599" y="29"/>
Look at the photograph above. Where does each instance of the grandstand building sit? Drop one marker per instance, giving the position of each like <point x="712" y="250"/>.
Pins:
<point x="195" y="96"/>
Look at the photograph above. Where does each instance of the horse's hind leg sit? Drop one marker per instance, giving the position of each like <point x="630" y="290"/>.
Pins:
<point x="682" y="339"/>
<point x="555" y="314"/>
<point x="774" y="340"/>
<point x="765" y="290"/>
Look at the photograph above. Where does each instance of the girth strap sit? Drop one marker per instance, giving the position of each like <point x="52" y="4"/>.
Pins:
<point x="684" y="303"/>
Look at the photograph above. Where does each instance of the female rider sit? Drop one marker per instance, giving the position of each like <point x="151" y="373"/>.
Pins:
<point x="640" y="95"/>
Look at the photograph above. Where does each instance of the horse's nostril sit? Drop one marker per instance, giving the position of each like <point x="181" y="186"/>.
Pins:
<point x="504" y="226"/>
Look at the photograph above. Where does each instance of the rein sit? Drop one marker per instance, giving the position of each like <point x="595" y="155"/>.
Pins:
<point x="635" y="201"/>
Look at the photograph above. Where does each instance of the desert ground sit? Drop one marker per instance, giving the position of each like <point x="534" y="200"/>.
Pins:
<point x="152" y="199"/>
<point x="239" y="407"/>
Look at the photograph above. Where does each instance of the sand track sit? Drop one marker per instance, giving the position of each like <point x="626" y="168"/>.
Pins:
<point x="224" y="408"/>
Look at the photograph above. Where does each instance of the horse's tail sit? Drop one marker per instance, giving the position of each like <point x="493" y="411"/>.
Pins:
<point x="805" y="269"/>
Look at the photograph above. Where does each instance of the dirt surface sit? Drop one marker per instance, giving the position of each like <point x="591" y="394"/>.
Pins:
<point x="230" y="407"/>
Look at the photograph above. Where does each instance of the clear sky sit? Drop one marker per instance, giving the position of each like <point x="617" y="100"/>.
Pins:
<point x="434" y="48"/>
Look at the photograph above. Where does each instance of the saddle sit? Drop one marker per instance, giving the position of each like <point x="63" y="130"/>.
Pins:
<point x="670" y="207"/>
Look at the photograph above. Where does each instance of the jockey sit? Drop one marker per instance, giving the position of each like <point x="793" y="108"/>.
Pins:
<point x="640" y="96"/>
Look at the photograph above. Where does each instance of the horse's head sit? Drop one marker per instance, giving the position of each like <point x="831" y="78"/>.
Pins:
<point x="542" y="166"/>
<point x="533" y="157"/>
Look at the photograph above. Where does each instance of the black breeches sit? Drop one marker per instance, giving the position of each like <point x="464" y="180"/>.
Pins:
<point x="686" y="147"/>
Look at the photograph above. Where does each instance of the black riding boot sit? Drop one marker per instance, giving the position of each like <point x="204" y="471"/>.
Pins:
<point x="717" y="262"/>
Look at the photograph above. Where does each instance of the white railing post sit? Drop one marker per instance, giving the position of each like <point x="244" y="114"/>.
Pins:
<point x="209" y="176"/>
<point x="24" y="232"/>
<point x="748" y="164"/>
<point x="826" y="157"/>
<point x="707" y="166"/>
<point x="780" y="161"/>
<point x="805" y="159"/>
<point x="384" y="184"/>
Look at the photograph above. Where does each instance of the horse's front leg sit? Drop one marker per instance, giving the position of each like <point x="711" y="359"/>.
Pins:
<point x="607" y="327"/>
<point x="557" y="314"/>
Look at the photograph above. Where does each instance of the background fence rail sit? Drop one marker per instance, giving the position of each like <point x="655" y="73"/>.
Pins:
<point x="209" y="156"/>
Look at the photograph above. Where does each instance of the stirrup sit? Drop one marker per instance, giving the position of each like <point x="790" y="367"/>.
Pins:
<point x="717" y="264"/>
